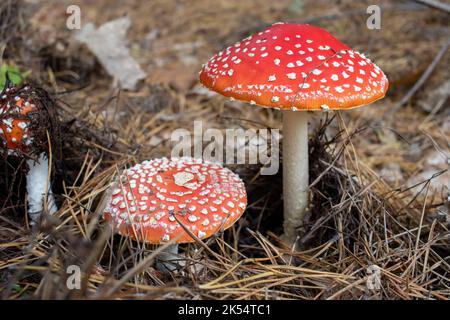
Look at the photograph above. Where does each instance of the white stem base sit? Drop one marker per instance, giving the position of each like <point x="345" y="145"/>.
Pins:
<point x="295" y="170"/>
<point x="38" y="188"/>
<point x="168" y="259"/>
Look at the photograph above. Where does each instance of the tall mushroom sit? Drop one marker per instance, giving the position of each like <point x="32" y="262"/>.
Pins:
<point x="156" y="200"/>
<point x="295" y="67"/>
<point x="23" y="134"/>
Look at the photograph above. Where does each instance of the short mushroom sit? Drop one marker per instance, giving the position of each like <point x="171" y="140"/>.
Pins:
<point x="295" y="67"/>
<point x="19" y="122"/>
<point x="155" y="201"/>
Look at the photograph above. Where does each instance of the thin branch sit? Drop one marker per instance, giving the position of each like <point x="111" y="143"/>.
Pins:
<point x="436" y="4"/>
<point x="422" y="79"/>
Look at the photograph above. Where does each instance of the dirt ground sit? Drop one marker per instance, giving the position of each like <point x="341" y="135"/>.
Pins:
<point x="381" y="176"/>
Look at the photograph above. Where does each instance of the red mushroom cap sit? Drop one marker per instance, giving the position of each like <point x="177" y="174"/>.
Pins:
<point x="152" y="198"/>
<point x="295" y="66"/>
<point x="15" y="109"/>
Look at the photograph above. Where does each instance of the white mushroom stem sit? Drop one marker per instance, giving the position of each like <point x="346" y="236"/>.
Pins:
<point x="295" y="170"/>
<point x="39" y="188"/>
<point x="168" y="259"/>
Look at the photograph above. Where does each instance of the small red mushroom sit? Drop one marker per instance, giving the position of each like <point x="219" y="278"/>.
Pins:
<point x="18" y="113"/>
<point x="14" y="124"/>
<point x="152" y="200"/>
<point x="295" y="67"/>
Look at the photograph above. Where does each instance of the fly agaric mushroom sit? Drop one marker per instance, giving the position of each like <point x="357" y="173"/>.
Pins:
<point x="21" y="134"/>
<point x="152" y="200"/>
<point x="295" y="67"/>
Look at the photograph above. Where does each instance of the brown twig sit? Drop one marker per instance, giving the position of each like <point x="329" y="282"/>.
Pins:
<point x="436" y="4"/>
<point x="422" y="79"/>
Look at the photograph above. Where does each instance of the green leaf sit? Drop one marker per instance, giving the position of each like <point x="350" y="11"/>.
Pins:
<point x="16" y="288"/>
<point x="14" y="74"/>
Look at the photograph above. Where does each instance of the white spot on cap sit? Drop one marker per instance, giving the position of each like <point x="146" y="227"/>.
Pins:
<point x="181" y="178"/>
<point x="201" y="234"/>
<point x="304" y="86"/>
<point x="192" y="218"/>
<point x="275" y="99"/>
<point x="22" y="125"/>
